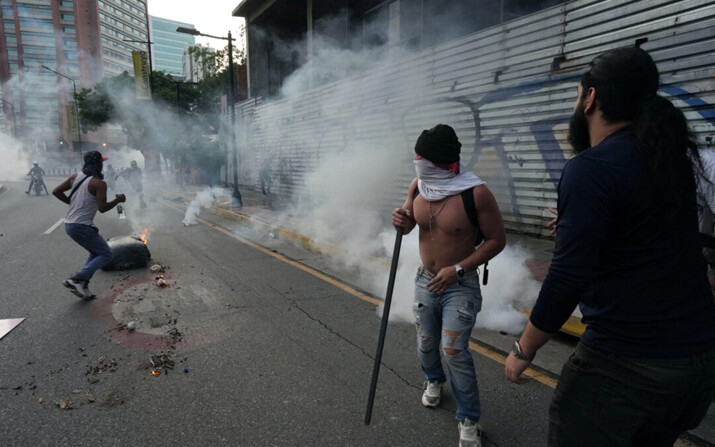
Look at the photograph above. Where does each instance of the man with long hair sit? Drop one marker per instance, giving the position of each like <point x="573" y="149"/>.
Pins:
<point x="88" y="195"/>
<point x="628" y="252"/>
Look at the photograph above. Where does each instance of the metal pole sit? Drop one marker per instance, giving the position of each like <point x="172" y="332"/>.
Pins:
<point x="148" y="37"/>
<point x="79" y="120"/>
<point x="76" y="106"/>
<point x="236" y="199"/>
<point x="383" y="325"/>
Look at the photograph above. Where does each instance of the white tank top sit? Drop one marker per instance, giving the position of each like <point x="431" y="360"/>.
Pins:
<point x="83" y="205"/>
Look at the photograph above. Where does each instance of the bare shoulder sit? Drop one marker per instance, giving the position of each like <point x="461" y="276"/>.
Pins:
<point x="410" y="195"/>
<point x="96" y="184"/>
<point x="413" y="187"/>
<point x="483" y="197"/>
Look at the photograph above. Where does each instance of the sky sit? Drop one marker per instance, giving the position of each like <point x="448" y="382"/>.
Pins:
<point x="208" y="16"/>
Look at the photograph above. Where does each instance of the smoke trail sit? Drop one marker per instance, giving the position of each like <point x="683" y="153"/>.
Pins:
<point x="204" y="199"/>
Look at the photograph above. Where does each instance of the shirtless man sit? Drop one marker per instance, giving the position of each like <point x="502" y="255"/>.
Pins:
<point x="447" y="294"/>
<point x="89" y="195"/>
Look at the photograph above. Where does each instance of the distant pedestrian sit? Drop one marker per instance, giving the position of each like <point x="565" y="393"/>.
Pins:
<point x="110" y="176"/>
<point x="179" y="170"/>
<point x="88" y="195"/>
<point x="628" y="252"/>
<point x="264" y="176"/>
<point x="447" y="293"/>
<point x="133" y="177"/>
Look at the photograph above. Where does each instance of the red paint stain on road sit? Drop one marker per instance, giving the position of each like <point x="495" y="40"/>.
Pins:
<point x="136" y="339"/>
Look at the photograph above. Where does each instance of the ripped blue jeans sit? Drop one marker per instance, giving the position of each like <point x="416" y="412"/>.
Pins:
<point x="448" y="319"/>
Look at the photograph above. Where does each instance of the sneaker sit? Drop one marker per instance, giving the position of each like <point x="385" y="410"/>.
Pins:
<point x="470" y="434"/>
<point x="431" y="394"/>
<point x="87" y="294"/>
<point x="78" y="287"/>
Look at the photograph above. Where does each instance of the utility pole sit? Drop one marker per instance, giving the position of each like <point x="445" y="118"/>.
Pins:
<point x="236" y="198"/>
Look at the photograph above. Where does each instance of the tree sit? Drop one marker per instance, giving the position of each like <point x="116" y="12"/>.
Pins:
<point x="153" y="127"/>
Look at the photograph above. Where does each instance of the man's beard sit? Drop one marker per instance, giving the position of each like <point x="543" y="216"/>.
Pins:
<point x="579" y="138"/>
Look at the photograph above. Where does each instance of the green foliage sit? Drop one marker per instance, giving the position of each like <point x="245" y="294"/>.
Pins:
<point x="163" y="123"/>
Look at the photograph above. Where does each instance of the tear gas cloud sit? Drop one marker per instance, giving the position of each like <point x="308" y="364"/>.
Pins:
<point x="15" y="163"/>
<point x="336" y="205"/>
<point x="205" y="199"/>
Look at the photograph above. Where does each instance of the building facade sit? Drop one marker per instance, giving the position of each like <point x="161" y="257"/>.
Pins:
<point x="50" y="49"/>
<point x="169" y="46"/>
<point x="197" y="68"/>
<point x="362" y="79"/>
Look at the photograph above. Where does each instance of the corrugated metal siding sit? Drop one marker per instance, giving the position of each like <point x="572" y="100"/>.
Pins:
<point x="497" y="89"/>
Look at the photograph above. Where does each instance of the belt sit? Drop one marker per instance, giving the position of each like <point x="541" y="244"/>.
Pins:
<point x="422" y="271"/>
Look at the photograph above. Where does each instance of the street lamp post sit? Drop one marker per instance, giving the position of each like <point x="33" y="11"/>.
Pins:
<point x="14" y="123"/>
<point x="236" y="199"/>
<point x="148" y="45"/>
<point x="76" y="107"/>
<point x="148" y="41"/>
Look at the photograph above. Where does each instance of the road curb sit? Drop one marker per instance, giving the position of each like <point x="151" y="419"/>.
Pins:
<point x="573" y="326"/>
<point x="302" y="240"/>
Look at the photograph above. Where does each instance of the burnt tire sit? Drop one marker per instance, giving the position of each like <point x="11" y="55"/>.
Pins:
<point x="128" y="252"/>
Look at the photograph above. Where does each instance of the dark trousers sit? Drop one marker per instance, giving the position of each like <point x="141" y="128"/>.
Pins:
<point x="605" y="400"/>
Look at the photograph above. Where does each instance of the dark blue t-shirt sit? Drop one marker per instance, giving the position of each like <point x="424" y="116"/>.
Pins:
<point x="640" y="279"/>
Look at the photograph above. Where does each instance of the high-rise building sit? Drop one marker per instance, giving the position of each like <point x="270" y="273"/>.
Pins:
<point x="197" y="68"/>
<point x="51" y="48"/>
<point x="169" y="46"/>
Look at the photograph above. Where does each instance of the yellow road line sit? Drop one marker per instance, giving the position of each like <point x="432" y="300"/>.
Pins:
<point x="573" y="326"/>
<point x="295" y="264"/>
<point x="497" y="357"/>
<point x="282" y="258"/>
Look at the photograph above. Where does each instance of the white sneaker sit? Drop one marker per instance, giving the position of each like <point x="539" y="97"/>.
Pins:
<point x="79" y="288"/>
<point x="87" y="294"/>
<point x="431" y="394"/>
<point x="470" y="434"/>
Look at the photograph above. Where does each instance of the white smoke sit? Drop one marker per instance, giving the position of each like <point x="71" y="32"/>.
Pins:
<point x="15" y="162"/>
<point x="336" y="203"/>
<point x="509" y="289"/>
<point x="204" y="199"/>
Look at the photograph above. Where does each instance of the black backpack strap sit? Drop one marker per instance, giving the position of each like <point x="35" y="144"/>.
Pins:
<point x="469" y="206"/>
<point x="77" y="186"/>
<point x="471" y="209"/>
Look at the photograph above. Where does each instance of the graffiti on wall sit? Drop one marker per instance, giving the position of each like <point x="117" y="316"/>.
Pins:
<point x="322" y="133"/>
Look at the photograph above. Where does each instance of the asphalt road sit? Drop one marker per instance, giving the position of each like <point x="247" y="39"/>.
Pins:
<point x="265" y="350"/>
